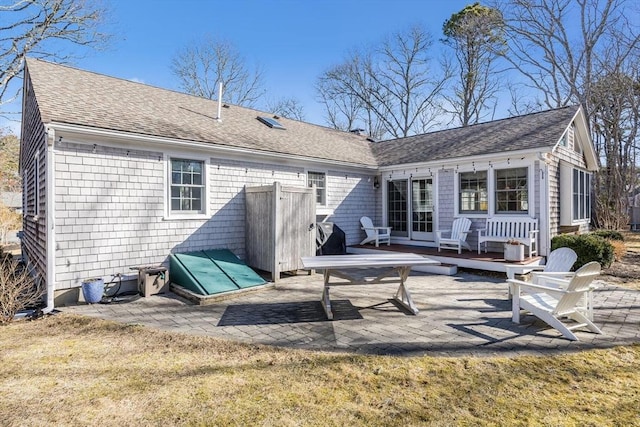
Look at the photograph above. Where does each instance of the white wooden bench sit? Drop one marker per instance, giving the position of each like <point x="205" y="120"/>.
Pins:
<point x="509" y="228"/>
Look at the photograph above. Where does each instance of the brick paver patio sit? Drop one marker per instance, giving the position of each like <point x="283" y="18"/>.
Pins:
<point x="459" y="315"/>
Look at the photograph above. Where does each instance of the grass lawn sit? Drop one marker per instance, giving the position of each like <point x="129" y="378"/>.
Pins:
<point x="71" y="370"/>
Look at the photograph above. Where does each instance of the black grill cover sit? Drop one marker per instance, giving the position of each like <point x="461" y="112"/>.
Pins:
<point x="330" y="239"/>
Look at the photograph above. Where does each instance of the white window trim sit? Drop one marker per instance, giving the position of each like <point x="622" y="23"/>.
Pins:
<point x="435" y="177"/>
<point x="530" y="193"/>
<point x="491" y="179"/>
<point x="322" y="209"/>
<point x="456" y="200"/>
<point x="566" y="194"/>
<point x="168" y="214"/>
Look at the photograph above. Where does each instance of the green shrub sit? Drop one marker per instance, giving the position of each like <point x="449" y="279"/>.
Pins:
<point x="609" y="234"/>
<point x="588" y="247"/>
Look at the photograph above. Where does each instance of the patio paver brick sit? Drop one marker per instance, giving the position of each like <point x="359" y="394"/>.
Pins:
<point x="463" y="315"/>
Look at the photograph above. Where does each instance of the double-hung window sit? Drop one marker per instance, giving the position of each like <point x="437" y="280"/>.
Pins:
<point x="493" y="192"/>
<point x="581" y="201"/>
<point x="473" y="192"/>
<point x="187" y="193"/>
<point x="511" y="191"/>
<point x="319" y="179"/>
<point x="575" y="195"/>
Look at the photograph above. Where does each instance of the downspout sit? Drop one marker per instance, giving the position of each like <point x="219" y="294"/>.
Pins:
<point x="51" y="241"/>
<point x="545" y="231"/>
<point x="51" y="220"/>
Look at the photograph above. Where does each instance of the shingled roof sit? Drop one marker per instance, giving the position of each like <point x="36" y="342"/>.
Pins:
<point x="529" y="132"/>
<point x="72" y="96"/>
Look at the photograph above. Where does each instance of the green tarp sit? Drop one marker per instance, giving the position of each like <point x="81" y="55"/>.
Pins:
<point x="211" y="272"/>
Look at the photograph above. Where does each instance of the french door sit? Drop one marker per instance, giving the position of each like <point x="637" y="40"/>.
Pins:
<point x="422" y="209"/>
<point x="410" y="208"/>
<point x="397" y="207"/>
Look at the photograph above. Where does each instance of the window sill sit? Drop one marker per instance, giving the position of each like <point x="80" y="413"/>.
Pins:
<point x="185" y="217"/>
<point x="321" y="210"/>
<point x="472" y="215"/>
<point x="576" y="222"/>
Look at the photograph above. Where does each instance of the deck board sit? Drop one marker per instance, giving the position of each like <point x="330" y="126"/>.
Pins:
<point x="489" y="261"/>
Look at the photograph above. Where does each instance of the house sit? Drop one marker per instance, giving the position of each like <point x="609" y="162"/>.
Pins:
<point x="118" y="174"/>
<point x="12" y="200"/>
<point x="634" y="210"/>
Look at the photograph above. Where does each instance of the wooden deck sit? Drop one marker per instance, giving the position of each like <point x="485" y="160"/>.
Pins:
<point x="490" y="261"/>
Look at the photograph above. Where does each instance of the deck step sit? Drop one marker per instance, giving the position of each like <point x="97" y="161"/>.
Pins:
<point x="443" y="269"/>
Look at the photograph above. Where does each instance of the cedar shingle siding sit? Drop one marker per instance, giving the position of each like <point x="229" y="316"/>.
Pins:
<point x="33" y="140"/>
<point x="114" y="141"/>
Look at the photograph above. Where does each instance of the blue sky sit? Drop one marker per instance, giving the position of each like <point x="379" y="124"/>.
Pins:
<point x="293" y="41"/>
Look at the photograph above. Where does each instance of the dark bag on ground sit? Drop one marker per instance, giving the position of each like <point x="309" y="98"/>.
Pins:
<point x="330" y="239"/>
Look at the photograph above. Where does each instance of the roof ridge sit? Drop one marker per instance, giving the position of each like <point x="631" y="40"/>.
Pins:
<point x="122" y="79"/>
<point x="101" y="101"/>
<point x="175" y="91"/>
<point x="526" y="132"/>
<point x="491" y="122"/>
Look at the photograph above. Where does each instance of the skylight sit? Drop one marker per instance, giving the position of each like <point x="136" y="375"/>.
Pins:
<point x="272" y="123"/>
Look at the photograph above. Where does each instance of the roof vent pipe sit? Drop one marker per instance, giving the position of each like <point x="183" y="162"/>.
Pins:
<point x="219" y="118"/>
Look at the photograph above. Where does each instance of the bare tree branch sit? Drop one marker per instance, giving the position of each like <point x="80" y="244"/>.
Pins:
<point x="290" y="108"/>
<point x="200" y="66"/>
<point x="587" y="52"/>
<point x="393" y="84"/>
<point x="45" y="29"/>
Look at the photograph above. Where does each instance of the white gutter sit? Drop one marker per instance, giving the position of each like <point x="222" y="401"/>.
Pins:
<point x="51" y="220"/>
<point x="127" y="137"/>
<point x="51" y="235"/>
<point x="452" y="162"/>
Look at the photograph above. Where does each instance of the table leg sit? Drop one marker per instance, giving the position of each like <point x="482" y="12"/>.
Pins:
<point x="402" y="294"/>
<point x="326" y="300"/>
<point x="590" y="305"/>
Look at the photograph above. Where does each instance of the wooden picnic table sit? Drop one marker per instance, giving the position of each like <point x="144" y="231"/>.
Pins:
<point x="399" y="264"/>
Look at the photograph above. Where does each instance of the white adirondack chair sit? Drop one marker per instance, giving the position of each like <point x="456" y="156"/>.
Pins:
<point x="457" y="235"/>
<point x="555" y="305"/>
<point x="375" y="234"/>
<point x="559" y="263"/>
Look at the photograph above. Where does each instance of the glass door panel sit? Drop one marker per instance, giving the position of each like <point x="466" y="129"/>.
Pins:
<point x="422" y="209"/>
<point x="397" y="207"/>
